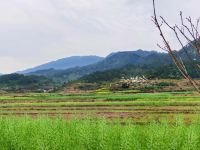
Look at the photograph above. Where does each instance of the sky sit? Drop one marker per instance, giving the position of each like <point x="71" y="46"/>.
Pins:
<point x="34" y="32"/>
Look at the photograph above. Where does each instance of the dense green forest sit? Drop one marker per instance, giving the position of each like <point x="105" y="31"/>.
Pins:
<point x="20" y="83"/>
<point x="165" y="72"/>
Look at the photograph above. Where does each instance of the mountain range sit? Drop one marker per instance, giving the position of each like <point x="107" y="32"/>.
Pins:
<point x="65" y="63"/>
<point x="115" y="60"/>
<point x="93" y="69"/>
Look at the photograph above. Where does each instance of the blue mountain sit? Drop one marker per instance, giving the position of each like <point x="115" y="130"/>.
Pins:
<point x="65" y="63"/>
<point x="112" y="61"/>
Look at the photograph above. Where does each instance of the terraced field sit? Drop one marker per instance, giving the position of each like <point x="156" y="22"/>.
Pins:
<point x="139" y="107"/>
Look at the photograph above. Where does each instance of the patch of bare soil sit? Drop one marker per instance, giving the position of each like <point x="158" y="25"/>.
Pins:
<point x="119" y="108"/>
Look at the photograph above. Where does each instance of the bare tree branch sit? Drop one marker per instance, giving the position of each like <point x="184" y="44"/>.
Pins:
<point x="177" y="60"/>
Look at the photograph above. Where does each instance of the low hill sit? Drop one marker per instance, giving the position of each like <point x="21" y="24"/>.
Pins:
<point x="163" y="72"/>
<point x="114" y="74"/>
<point x="65" y="63"/>
<point x="129" y="71"/>
<point x="22" y="83"/>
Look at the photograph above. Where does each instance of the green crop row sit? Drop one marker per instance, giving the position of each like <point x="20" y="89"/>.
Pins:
<point x="95" y="134"/>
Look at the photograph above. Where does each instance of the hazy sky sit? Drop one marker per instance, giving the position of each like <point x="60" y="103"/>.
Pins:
<point x="37" y="31"/>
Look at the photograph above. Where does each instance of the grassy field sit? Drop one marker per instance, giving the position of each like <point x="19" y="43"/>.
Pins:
<point x="95" y="134"/>
<point x="144" y="121"/>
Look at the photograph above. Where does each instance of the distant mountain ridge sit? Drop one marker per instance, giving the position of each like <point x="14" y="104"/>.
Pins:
<point x="112" y="61"/>
<point x="65" y="63"/>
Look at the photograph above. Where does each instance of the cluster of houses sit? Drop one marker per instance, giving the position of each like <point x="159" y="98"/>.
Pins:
<point x="132" y="80"/>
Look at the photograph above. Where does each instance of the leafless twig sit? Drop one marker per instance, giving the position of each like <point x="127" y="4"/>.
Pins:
<point x="193" y="32"/>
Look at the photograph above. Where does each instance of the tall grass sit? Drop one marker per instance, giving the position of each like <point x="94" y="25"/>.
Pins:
<point x="94" y="134"/>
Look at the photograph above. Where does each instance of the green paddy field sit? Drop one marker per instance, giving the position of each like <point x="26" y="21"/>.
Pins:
<point x="142" y="107"/>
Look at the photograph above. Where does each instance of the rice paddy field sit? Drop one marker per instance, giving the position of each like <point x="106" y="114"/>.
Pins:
<point x="100" y="121"/>
<point x="142" y="107"/>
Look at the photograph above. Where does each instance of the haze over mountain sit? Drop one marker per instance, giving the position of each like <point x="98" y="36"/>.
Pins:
<point x="65" y="63"/>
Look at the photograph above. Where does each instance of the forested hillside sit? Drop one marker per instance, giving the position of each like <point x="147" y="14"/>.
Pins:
<point x="139" y="58"/>
<point x="22" y="83"/>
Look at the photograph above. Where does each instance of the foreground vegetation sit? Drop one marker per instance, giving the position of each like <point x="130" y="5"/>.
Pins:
<point x="91" y="134"/>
